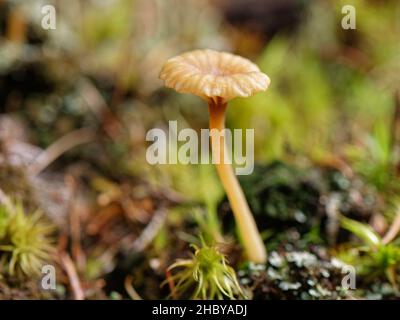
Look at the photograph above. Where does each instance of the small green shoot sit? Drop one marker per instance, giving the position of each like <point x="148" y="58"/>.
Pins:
<point x="362" y="231"/>
<point x="375" y="257"/>
<point x="206" y="275"/>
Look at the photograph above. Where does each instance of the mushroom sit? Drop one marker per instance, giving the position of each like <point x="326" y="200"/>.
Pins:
<point x="218" y="77"/>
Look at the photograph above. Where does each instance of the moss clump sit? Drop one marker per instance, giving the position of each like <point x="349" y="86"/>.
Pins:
<point x="205" y="276"/>
<point x="25" y="240"/>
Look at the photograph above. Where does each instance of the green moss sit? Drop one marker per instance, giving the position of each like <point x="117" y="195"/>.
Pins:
<point x="25" y="240"/>
<point x="206" y="275"/>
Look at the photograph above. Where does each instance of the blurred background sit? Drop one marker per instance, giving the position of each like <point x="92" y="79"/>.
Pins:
<point x="76" y="103"/>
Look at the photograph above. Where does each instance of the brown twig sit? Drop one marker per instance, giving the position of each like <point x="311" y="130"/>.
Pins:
<point x="65" y="143"/>
<point x="78" y="254"/>
<point x="393" y="230"/>
<point x="148" y="234"/>
<point x="171" y="284"/>
<point x="130" y="289"/>
<point x="16" y="26"/>
<point x="96" y="103"/>
<point x="74" y="282"/>
<point x="101" y="220"/>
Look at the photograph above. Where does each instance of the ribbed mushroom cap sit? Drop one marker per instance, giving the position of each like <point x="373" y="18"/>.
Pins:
<point x="211" y="74"/>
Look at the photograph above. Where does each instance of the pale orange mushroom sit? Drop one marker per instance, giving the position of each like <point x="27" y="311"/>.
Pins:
<point x="218" y="77"/>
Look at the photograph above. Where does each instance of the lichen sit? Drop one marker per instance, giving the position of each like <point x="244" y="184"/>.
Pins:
<point x="294" y="275"/>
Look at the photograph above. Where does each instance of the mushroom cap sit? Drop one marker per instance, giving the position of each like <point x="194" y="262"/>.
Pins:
<point x="211" y="74"/>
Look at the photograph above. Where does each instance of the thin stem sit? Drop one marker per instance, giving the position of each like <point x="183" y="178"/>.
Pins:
<point x="74" y="282"/>
<point x="251" y="238"/>
<point x="393" y="230"/>
<point x="65" y="143"/>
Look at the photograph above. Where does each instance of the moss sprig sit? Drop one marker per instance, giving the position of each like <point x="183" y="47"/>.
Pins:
<point x="25" y="240"/>
<point x="206" y="275"/>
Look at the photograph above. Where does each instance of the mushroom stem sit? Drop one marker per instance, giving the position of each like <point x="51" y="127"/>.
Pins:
<point x="250" y="235"/>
